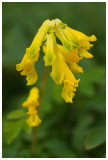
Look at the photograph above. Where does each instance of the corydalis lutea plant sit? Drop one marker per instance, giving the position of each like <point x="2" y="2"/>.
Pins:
<point x="63" y="58"/>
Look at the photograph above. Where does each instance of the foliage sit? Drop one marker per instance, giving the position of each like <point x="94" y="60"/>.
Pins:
<point x="67" y="130"/>
<point x="95" y="138"/>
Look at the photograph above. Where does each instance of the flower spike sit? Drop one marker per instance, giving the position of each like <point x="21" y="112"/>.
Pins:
<point x="63" y="58"/>
<point x="32" y="102"/>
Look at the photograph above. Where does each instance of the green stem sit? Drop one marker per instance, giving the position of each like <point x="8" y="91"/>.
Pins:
<point x="42" y="90"/>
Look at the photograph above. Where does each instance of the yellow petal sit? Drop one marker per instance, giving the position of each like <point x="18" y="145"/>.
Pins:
<point x="33" y="120"/>
<point x="79" y="35"/>
<point x="85" y="44"/>
<point x="26" y="64"/>
<point x="32" y="110"/>
<point x="68" y="92"/>
<point x="70" y="57"/>
<point x="84" y="53"/>
<point x="27" y="69"/>
<point x="67" y="95"/>
<point x="82" y="38"/>
<point x="50" y="56"/>
<point x="76" y="68"/>
<point x="68" y="86"/>
<point x="67" y="45"/>
<point x="61" y="72"/>
<point x="69" y="77"/>
<point x="57" y="70"/>
<point x="92" y="38"/>
<point x="32" y="99"/>
<point x="32" y="78"/>
<point x="33" y="51"/>
<point x="70" y="37"/>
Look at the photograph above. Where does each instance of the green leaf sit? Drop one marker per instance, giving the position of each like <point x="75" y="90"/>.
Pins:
<point x="80" y="131"/>
<point x="95" y="138"/>
<point x="12" y="129"/>
<point x="16" y="114"/>
<point x="59" y="148"/>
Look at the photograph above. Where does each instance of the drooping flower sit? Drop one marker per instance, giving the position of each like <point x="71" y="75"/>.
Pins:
<point x="27" y="68"/>
<point x="50" y="56"/>
<point x="78" y="39"/>
<point x="62" y="73"/>
<point x="63" y="58"/>
<point x="31" y="56"/>
<point x="84" y="42"/>
<point x="32" y="102"/>
<point x="68" y="40"/>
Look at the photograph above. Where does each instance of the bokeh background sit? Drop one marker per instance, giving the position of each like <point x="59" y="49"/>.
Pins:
<point x="67" y="130"/>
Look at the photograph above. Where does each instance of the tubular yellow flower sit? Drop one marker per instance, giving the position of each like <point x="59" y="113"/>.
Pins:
<point x="49" y="54"/>
<point x="32" y="99"/>
<point x="67" y="44"/>
<point x="57" y="70"/>
<point x="31" y="56"/>
<point x="33" y="50"/>
<point x="84" y="42"/>
<point x="32" y="102"/>
<point x="77" y="39"/>
<point x="61" y="73"/>
<point x="63" y="58"/>
<point x="70" y="37"/>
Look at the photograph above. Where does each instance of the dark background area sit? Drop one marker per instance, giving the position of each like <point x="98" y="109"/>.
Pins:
<point x="67" y="130"/>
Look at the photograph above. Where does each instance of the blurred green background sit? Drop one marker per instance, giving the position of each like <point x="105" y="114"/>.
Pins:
<point x="67" y="130"/>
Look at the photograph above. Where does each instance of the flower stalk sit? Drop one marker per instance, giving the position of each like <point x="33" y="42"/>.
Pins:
<point x="42" y="90"/>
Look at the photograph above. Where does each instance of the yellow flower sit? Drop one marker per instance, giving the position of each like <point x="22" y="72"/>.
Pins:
<point x="61" y="73"/>
<point x="66" y="43"/>
<point x="83" y="42"/>
<point x="33" y="50"/>
<point x="70" y="37"/>
<point x="63" y="58"/>
<point x="31" y="56"/>
<point x="57" y="69"/>
<point x="33" y="97"/>
<point x="50" y="43"/>
<point x="77" y="39"/>
<point x="27" y="68"/>
<point x="32" y="102"/>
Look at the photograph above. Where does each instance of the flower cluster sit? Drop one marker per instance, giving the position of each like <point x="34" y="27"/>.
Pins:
<point x="63" y="58"/>
<point x="32" y="103"/>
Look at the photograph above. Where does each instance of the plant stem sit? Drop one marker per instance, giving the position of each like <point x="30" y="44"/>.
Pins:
<point x="42" y="90"/>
